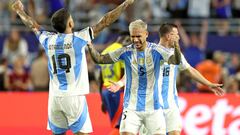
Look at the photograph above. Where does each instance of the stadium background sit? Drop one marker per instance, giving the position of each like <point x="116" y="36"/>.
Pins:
<point x="214" y="25"/>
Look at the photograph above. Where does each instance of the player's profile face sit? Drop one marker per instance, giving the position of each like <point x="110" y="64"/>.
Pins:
<point x="139" y="37"/>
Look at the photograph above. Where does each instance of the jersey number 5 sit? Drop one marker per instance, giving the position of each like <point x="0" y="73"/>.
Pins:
<point x="63" y="62"/>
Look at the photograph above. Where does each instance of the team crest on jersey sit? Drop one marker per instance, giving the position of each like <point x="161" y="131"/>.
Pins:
<point x="141" y="61"/>
<point x="149" y="60"/>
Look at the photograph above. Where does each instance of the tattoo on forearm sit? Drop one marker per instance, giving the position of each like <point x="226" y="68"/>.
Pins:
<point x="176" y="58"/>
<point x="177" y="55"/>
<point x="109" y="18"/>
<point x="98" y="58"/>
<point x="28" y="21"/>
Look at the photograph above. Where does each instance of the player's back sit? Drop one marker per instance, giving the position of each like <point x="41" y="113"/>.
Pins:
<point x="113" y="72"/>
<point x="66" y="62"/>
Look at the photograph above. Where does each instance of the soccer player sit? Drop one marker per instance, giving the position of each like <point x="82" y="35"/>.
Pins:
<point x="142" y="65"/>
<point x="112" y="102"/>
<point x="167" y="81"/>
<point x="67" y="107"/>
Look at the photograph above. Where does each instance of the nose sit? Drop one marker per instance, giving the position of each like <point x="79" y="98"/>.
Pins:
<point x="134" y="40"/>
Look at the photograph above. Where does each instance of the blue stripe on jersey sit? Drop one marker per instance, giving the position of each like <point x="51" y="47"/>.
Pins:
<point x="156" y="62"/>
<point x="61" y="73"/>
<point x="142" y="82"/>
<point x="55" y="129"/>
<point x="165" y="86"/>
<point x="78" y="44"/>
<point x="174" y="86"/>
<point x="128" y="70"/>
<point x="45" y="41"/>
<point x="77" y="126"/>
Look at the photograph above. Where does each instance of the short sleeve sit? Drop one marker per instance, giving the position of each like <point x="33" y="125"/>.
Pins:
<point x="85" y="34"/>
<point x="115" y="55"/>
<point x="184" y="64"/>
<point x="165" y="52"/>
<point x="43" y="35"/>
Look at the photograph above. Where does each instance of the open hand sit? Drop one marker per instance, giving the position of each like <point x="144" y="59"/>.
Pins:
<point x="114" y="87"/>
<point x="216" y="88"/>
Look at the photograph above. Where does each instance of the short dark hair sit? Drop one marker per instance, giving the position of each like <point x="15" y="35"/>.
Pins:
<point x="165" y="28"/>
<point x="59" y="20"/>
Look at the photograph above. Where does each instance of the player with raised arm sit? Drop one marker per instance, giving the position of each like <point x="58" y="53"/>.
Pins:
<point x="167" y="81"/>
<point x="142" y="65"/>
<point x="67" y="107"/>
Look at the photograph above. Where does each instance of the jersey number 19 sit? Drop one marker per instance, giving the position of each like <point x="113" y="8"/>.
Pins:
<point x="63" y="61"/>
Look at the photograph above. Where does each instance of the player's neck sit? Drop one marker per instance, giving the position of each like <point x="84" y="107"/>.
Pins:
<point x="164" y="43"/>
<point x="68" y="31"/>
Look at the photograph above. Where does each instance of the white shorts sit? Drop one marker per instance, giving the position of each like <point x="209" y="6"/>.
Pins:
<point x="152" y="120"/>
<point x="173" y="119"/>
<point x="69" y="112"/>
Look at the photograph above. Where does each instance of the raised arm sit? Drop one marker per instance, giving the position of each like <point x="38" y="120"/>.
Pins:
<point x="97" y="57"/>
<point x="110" y="17"/>
<point x="17" y="6"/>
<point x="176" y="58"/>
<point x="194" y="74"/>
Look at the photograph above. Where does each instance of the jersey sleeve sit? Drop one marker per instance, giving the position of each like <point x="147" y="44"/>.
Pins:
<point x="116" y="55"/>
<point x="166" y="53"/>
<point x="85" y="34"/>
<point x="42" y="36"/>
<point x="184" y="64"/>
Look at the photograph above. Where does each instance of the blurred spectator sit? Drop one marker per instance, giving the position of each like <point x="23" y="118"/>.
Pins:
<point x="236" y="8"/>
<point x="39" y="72"/>
<point x="211" y="70"/>
<point x="222" y="8"/>
<point x="234" y="64"/>
<point x="39" y="10"/>
<point x="222" y="28"/>
<point x="178" y="8"/>
<point x="5" y="16"/>
<point x="199" y="8"/>
<point x="18" y="78"/>
<point x="142" y="9"/>
<point x="14" y="46"/>
<point x="194" y="45"/>
<point x="159" y="9"/>
<point x="232" y="85"/>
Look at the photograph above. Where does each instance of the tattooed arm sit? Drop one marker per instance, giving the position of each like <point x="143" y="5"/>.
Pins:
<point x="110" y="17"/>
<point x="97" y="57"/>
<point x="176" y="58"/>
<point x="17" y="6"/>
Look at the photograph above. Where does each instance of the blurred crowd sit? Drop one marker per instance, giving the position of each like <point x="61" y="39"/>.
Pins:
<point x="24" y="70"/>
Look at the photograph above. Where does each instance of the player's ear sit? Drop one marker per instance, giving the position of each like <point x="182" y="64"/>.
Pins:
<point x="70" y="24"/>
<point x="147" y="33"/>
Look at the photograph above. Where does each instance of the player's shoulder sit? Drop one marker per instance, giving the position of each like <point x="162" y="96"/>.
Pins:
<point x="47" y="33"/>
<point x="151" y="44"/>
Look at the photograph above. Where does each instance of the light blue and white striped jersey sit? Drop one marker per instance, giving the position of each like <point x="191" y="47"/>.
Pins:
<point x="142" y="72"/>
<point x="167" y="82"/>
<point x="67" y="64"/>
